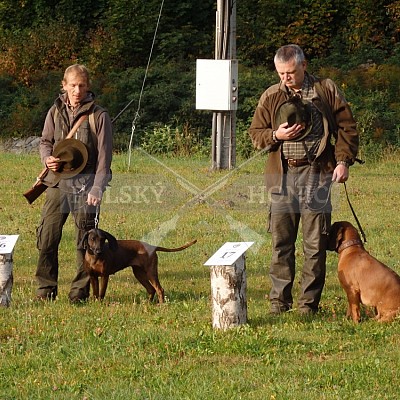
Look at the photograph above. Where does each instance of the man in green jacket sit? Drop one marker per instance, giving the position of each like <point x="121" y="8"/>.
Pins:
<point x="308" y="129"/>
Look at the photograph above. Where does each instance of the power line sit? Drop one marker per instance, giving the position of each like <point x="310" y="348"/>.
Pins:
<point x="142" y="89"/>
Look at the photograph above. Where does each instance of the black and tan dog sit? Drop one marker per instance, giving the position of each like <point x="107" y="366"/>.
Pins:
<point x="105" y="255"/>
<point x="365" y="279"/>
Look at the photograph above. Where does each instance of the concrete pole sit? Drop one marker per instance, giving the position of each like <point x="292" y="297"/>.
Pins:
<point x="224" y="122"/>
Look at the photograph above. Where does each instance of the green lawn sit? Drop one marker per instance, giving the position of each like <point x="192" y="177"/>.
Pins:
<point x="126" y="348"/>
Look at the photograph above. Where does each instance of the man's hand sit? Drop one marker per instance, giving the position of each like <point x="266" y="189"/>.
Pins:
<point x="340" y="174"/>
<point x="53" y="163"/>
<point x="286" y="132"/>
<point x="93" y="200"/>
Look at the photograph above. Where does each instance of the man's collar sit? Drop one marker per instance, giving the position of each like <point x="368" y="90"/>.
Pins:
<point x="87" y="99"/>
<point x="305" y="87"/>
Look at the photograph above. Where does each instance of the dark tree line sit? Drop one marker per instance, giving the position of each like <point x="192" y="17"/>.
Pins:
<point x="39" y="38"/>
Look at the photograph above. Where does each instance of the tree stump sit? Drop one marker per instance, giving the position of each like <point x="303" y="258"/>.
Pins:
<point x="228" y="293"/>
<point x="6" y="279"/>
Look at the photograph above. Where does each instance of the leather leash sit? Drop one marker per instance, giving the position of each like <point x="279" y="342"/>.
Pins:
<point x="354" y="214"/>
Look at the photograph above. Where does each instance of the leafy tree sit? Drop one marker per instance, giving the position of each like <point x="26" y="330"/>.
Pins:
<point x="31" y="51"/>
<point x="128" y="27"/>
<point x="260" y="25"/>
<point x="39" y="38"/>
<point x="21" y="14"/>
<point x="368" y="27"/>
<point x="312" y="27"/>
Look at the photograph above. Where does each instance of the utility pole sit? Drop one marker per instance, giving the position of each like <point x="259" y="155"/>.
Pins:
<point x="224" y="122"/>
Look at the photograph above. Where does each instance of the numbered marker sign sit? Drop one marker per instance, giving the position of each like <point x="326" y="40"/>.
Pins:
<point x="7" y="243"/>
<point x="228" y="253"/>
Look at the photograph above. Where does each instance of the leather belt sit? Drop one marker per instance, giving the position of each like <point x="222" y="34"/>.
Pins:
<point x="293" y="162"/>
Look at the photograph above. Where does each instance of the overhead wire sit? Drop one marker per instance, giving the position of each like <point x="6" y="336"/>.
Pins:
<point x="137" y="115"/>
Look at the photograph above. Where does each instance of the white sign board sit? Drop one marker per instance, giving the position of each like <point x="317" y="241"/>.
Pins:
<point x="228" y="253"/>
<point x="7" y="243"/>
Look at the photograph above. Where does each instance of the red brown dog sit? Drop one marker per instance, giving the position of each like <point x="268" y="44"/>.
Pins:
<point x="105" y="255"/>
<point x="365" y="279"/>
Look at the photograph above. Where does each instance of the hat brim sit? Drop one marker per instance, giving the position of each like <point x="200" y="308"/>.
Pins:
<point x="59" y="152"/>
<point x="303" y="134"/>
<point x="83" y="155"/>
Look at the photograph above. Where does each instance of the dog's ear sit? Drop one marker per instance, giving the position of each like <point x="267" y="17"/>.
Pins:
<point x="335" y="237"/>
<point x="339" y="237"/>
<point x="112" y="242"/>
<point x="83" y="244"/>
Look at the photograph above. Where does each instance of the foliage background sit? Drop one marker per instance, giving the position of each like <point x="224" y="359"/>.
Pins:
<point x="356" y="42"/>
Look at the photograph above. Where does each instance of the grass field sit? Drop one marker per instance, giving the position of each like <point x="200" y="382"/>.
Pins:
<point x="126" y="348"/>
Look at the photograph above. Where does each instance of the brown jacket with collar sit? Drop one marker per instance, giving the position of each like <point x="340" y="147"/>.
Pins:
<point x="340" y="140"/>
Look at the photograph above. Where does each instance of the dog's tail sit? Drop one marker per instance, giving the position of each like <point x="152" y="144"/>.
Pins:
<point x="168" y="250"/>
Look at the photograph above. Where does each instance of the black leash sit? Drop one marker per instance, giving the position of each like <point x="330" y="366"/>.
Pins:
<point x="354" y="214"/>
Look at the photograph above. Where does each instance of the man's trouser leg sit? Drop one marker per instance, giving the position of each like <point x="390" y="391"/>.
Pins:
<point x="84" y="217"/>
<point x="284" y="228"/>
<point x="49" y="235"/>
<point x="283" y="225"/>
<point x="315" y="227"/>
<point x="315" y="221"/>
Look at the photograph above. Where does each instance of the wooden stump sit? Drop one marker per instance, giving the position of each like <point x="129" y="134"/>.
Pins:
<point x="6" y="279"/>
<point x="228" y="292"/>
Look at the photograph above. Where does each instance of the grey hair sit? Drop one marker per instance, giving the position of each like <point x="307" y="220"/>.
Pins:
<point x="288" y="53"/>
<point x="77" y="69"/>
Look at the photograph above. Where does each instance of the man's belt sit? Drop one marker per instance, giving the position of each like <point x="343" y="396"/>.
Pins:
<point x="297" y="162"/>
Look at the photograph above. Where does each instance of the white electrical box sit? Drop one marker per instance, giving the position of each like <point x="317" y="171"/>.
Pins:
<point x="216" y="85"/>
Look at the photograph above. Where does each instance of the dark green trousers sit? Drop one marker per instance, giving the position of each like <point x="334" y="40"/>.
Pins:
<point x="287" y="211"/>
<point x="57" y="207"/>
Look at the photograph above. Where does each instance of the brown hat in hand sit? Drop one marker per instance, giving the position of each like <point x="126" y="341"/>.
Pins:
<point x="295" y="111"/>
<point x="73" y="157"/>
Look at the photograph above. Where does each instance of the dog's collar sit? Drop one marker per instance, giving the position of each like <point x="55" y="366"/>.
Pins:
<point x="349" y="243"/>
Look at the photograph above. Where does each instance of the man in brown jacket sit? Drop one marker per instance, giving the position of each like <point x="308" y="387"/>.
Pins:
<point x="309" y="148"/>
<point x="79" y="195"/>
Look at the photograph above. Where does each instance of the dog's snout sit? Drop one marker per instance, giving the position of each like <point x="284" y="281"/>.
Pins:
<point x="97" y="250"/>
<point x="95" y="244"/>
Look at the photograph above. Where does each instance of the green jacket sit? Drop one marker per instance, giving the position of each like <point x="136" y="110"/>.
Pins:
<point x="339" y="143"/>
